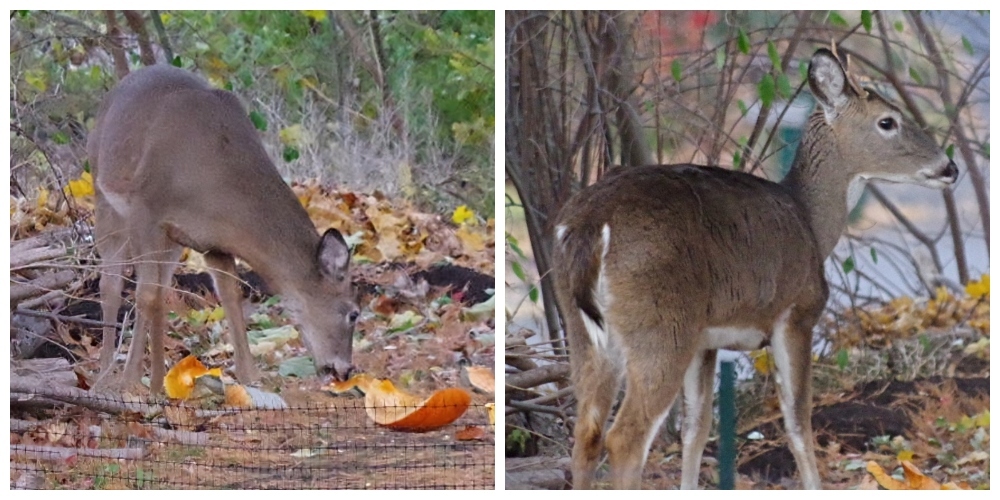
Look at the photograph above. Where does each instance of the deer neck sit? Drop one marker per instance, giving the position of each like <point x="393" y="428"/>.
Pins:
<point x="819" y="180"/>
<point x="282" y="254"/>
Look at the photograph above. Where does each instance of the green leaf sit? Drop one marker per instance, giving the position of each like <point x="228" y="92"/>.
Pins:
<point x="176" y="61"/>
<point x="675" y="70"/>
<point x="518" y="270"/>
<point x="916" y="76"/>
<point x="766" y="89"/>
<point x="290" y="154"/>
<point x="736" y="158"/>
<point x="512" y="241"/>
<point x="301" y="367"/>
<point x="836" y="19"/>
<point x="866" y="20"/>
<point x="874" y="256"/>
<point x="950" y="151"/>
<point x="842" y="359"/>
<point x="898" y="25"/>
<point x="772" y="53"/>
<point x="743" y="42"/>
<point x="259" y="122"/>
<point x="743" y="107"/>
<point x="967" y="45"/>
<point x="533" y="294"/>
<point x="60" y="137"/>
<point x="848" y="265"/>
<point x="784" y="86"/>
<point x="803" y="70"/>
<point x="720" y="58"/>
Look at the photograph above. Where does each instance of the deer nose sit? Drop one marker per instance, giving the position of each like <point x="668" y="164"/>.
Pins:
<point x="951" y="171"/>
<point x="330" y="373"/>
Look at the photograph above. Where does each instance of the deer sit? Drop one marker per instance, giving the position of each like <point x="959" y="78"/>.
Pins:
<point x="177" y="163"/>
<point x="656" y="268"/>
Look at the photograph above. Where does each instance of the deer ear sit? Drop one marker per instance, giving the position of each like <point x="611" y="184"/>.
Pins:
<point x="333" y="255"/>
<point x="828" y="82"/>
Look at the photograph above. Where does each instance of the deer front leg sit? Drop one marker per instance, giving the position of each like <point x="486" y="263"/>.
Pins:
<point x="791" y="346"/>
<point x="227" y="285"/>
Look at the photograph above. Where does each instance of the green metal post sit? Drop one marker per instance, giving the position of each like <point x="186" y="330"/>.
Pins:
<point x="727" y="427"/>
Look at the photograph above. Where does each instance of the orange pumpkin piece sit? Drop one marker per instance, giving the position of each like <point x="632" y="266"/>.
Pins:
<point x="179" y="381"/>
<point x="398" y="410"/>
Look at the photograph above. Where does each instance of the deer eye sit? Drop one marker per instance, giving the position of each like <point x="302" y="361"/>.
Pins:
<point x="887" y="124"/>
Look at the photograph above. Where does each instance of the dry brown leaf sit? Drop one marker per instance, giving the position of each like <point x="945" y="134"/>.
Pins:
<point x="470" y="433"/>
<point x="481" y="378"/>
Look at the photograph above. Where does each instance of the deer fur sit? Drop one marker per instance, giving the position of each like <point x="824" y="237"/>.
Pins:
<point x="178" y="164"/>
<point x="658" y="267"/>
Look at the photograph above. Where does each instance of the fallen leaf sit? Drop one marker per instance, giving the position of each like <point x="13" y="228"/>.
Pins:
<point x="977" y="289"/>
<point x="470" y="433"/>
<point x="462" y="214"/>
<point x="914" y="479"/>
<point x="472" y="240"/>
<point x="481" y="378"/>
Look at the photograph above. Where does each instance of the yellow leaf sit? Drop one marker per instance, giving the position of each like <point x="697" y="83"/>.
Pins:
<point x="904" y="455"/>
<point x="983" y="419"/>
<point x="315" y="15"/>
<point x="762" y="361"/>
<point x="977" y="289"/>
<point x="473" y="240"/>
<point x="291" y="135"/>
<point x="217" y="314"/>
<point x="966" y="422"/>
<point x="490" y="409"/>
<point x="462" y="214"/>
<point x="84" y="186"/>
<point x="43" y="197"/>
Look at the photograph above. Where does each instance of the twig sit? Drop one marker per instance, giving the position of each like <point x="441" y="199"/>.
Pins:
<point x="538" y="376"/>
<point x="66" y="319"/>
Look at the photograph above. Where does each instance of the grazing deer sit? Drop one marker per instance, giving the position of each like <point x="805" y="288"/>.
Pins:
<point x="178" y="164"/>
<point x="658" y="267"/>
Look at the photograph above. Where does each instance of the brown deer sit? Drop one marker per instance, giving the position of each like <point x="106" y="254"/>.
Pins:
<point x="178" y="164"/>
<point x="658" y="267"/>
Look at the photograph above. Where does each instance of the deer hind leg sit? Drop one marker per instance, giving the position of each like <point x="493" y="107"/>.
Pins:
<point x="596" y="381"/>
<point x="154" y="271"/>
<point x="699" y="384"/>
<point x="653" y="382"/>
<point x="791" y="346"/>
<point x="227" y="285"/>
<point x="113" y="247"/>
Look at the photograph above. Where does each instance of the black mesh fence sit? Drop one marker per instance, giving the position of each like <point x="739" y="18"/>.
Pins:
<point x="96" y="442"/>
